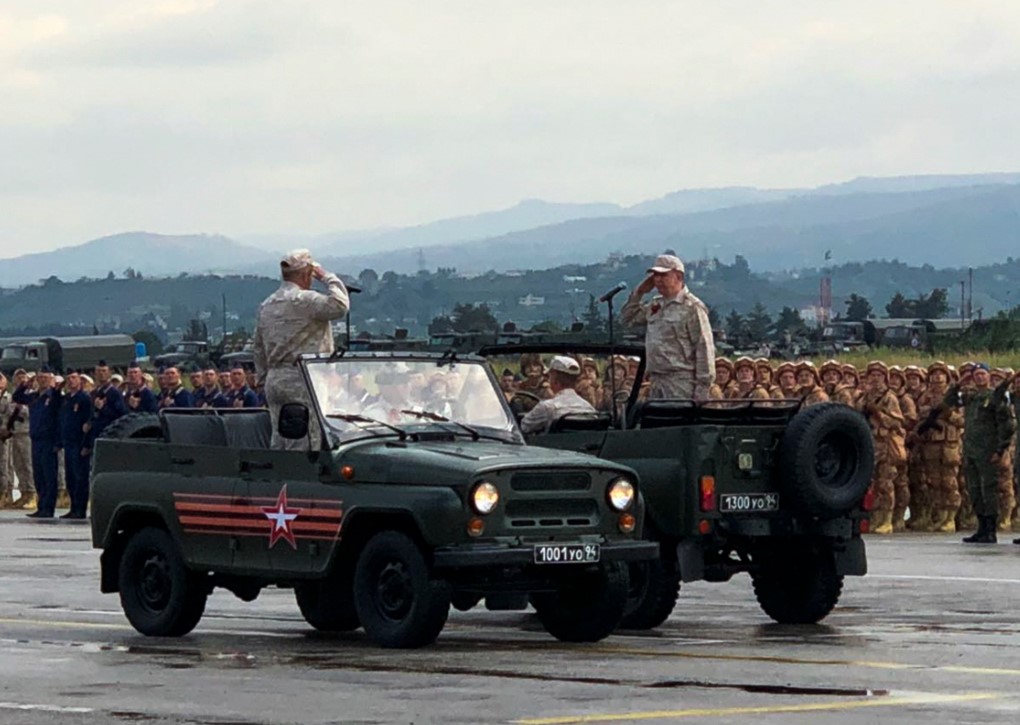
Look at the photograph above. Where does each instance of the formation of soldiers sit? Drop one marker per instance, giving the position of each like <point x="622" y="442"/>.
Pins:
<point x="933" y="428"/>
<point x="49" y="424"/>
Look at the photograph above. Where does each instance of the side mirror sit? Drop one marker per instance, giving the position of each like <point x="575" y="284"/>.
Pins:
<point x="293" y="422"/>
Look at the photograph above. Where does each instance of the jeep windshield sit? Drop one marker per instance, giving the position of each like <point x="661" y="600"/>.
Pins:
<point x="367" y="396"/>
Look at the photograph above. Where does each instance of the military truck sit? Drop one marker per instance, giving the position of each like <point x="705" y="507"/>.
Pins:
<point x="421" y="494"/>
<point x="760" y="487"/>
<point x="62" y="353"/>
<point x="187" y="355"/>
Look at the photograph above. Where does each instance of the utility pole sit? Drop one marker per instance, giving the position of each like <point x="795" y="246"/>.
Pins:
<point x="224" y="295"/>
<point x="970" y="297"/>
<point x="963" y="306"/>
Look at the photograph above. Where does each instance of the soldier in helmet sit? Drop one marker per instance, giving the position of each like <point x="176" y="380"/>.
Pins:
<point x="763" y="368"/>
<point x="786" y="377"/>
<point x="810" y="390"/>
<point x="850" y="392"/>
<point x="832" y="376"/>
<point x="747" y="385"/>
<point x="939" y="442"/>
<point x="724" y="381"/>
<point x="1001" y="378"/>
<point x="882" y="409"/>
<point x="898" y="384"/>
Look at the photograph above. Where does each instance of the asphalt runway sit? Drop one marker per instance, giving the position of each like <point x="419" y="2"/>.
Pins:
<point x="932" y="634"/>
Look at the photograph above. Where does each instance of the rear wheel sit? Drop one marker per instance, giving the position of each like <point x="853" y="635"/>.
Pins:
<point x="652" y="594"/>
<point x="328" y="604"/>
<point x="588" y="607"/>
<point x="798" y="587"/>
<point x="135" y="426"/>
<point x="397" y="601"/>
<point x="158" y="593"/>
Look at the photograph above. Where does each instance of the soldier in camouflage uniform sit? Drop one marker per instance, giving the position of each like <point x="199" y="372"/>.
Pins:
<point x="939" y="447"/>
<point x="898" y="384"/>
<point x="766" y="376"/>
<point x="850" y="392"/>
<point x="747" y="385"/>
<point x="989" y="428"/>
<point x="832" y="376"/>
<point x="1001" y="378"/>
<point x="679" y="348"/>
<point x="786" y="382"/>
<point x="293" y="321"/>
<point x="20" y="445"/>
<point x="882" y="409"/>
<point x="724" y="382"/>
<point x="6" y="472"/>
<point x="809" y="390"/>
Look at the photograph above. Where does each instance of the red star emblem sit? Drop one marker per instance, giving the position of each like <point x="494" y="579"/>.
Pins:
<point x="281" y="517"/>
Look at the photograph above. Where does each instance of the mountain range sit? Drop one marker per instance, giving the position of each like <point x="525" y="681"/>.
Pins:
<point x="942" y="220"/>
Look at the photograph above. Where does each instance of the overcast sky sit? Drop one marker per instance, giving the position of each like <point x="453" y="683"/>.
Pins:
<point x="318" y="116"/>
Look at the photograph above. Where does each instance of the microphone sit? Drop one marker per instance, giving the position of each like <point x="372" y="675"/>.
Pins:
<point x="613" y="292"/>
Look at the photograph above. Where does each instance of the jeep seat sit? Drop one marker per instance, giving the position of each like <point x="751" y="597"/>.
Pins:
<point x="251" y="428"/>
<point x="581" y="422"/>
<point x="243" y="428"/>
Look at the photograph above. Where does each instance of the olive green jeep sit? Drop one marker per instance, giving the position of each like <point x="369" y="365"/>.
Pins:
<point x="422" y="494"/>
<point x="763" y="487"/>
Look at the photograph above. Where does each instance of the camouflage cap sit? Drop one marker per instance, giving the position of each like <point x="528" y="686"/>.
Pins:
<point x="723" y="362"/>
<point x="297" y="259"/>
<point x="743" y="362"/>
<point x="940" y="365"/>
<point x="830" y="365"/>
<point x="786" y="367"/>
<point x="915" y="370"/>
<point x="666" y="263"/>
<point x="849" y="368"/>
<point x="879" y="366"/>
<point x="564" y="364"/>
<point x="763" y="362"/>
<point x="966" y="367"/>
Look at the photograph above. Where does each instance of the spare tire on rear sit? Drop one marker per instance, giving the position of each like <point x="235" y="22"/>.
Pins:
<point x="136" y="426"/>
<point x="826" y="460"/>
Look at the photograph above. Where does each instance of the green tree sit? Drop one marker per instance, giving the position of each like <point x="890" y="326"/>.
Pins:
<point x="197" y="330"/>
<point x="758" y="322"/>
<point x="933" y="305"/>
<point x="467" y="317"/>
<point x="713" y="317"/>
<point x="900" y="306"/>
<point x="858" y="308"/>
<point x="549" y="326"/>
<point x="789" y="320"/>
<point x="735" y="325"/>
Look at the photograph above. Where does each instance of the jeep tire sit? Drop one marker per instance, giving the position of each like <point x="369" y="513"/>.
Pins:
<point x="397" y="600"/>
<point x="587" y="607"/>
<point x="159" y="594"/>
<point x="652" y="593"/>
<point x="825" y="460"/>
<point x="798" y="586"/>
<point x="328" y="604"/>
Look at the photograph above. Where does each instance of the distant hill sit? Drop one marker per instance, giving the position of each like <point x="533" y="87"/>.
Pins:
<point x="149" y="254"/>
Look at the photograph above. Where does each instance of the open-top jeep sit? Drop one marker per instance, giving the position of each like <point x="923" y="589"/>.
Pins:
<point x="422" y="494"/>
<point x="763" y="487"/>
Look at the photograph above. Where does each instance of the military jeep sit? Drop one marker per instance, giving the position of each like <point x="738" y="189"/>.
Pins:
<point x="422" y="495"/>
<point x="762" y="487"/>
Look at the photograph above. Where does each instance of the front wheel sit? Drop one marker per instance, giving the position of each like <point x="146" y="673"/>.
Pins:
<point x="398" y="602"/>
<point x="158" y="593"/>
<point x="588" y="607"/>
<point x="328" y="604"/>
<point x="800" y="588"/>
<point x="652" y="593"/>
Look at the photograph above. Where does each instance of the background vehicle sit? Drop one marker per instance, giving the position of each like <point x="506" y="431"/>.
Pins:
<point x="188" y="355"/>
<point x="406" y="509"/>
<point x="61" y="353"/>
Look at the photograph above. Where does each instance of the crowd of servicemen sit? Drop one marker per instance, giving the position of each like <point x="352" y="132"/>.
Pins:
<point x="49" y="424"/>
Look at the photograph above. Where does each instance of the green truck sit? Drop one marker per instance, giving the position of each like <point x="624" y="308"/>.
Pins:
<point x="63" y="353"/>
<point x="762" y="487"/>
<point x="422" y="495"/>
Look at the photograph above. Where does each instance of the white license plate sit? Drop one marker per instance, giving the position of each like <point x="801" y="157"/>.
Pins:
<point x="745" y="503"/>
<point x="567" y="553"/>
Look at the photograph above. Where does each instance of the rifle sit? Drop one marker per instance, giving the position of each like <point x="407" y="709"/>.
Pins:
<point x="1002" y="389"/>
<point x="8" y="429"/>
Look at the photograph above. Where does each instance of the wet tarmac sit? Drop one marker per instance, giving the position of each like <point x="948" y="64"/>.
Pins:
<point x="932" y="634"/>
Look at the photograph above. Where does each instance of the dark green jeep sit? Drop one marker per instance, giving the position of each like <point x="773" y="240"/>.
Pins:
<point x="423" y="494"/>
<point x="763" y="487"/>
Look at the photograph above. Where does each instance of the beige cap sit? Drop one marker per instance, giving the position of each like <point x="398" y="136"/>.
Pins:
<point x="667" y="263"/>
<point x="564" y="364"/>
<point x="297" y="259"/>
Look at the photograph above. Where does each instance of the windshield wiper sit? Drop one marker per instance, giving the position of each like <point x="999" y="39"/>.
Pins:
<point x="352" y="418"/>
<point x="428" y="414"/>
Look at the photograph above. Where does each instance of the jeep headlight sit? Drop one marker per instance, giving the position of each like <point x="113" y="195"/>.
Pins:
<point x="620" y="494"/>
<point x="484" y="497"/>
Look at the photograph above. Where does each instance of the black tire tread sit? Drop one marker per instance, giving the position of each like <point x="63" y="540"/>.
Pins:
<point x="325" y="607"/>
<point x="579" y="614"/>
<point x="134" y="425"/>
<point x="658" y="600"/>
<point x="803" y="591"/>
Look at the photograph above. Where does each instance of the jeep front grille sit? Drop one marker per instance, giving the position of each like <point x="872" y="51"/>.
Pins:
<point x="521" y="514"/>
<point x="550" y="481"/>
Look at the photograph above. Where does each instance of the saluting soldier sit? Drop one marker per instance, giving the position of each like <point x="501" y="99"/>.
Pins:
<point x="898" y="385"/>
<point x="832" y="376"/>
<point x="43" y="405"/>
<point x="939" y="439"/>
<point x="746" y="385"/>
<point x="138" y="397"/>
<point x="239" y="395"/>
<point x="679" y="348"/>
<point x="6" y="432"/>
<point x="175" y="395"/>
<point x="107" y="405"/>
<point x="850" y="392"/>
<point x="882" y="409"/>
<point x="809" y="389"/>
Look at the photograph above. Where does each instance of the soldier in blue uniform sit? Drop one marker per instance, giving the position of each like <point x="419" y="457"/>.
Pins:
<point x="107" y="405"/>
<point x="75" y="413"/>
<point x="208" y="394"/>
<point x="175" y="395"/>
<point x="139" y="397"/>
<point x="239" y="395"/>
<point x="43" y="408"/>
